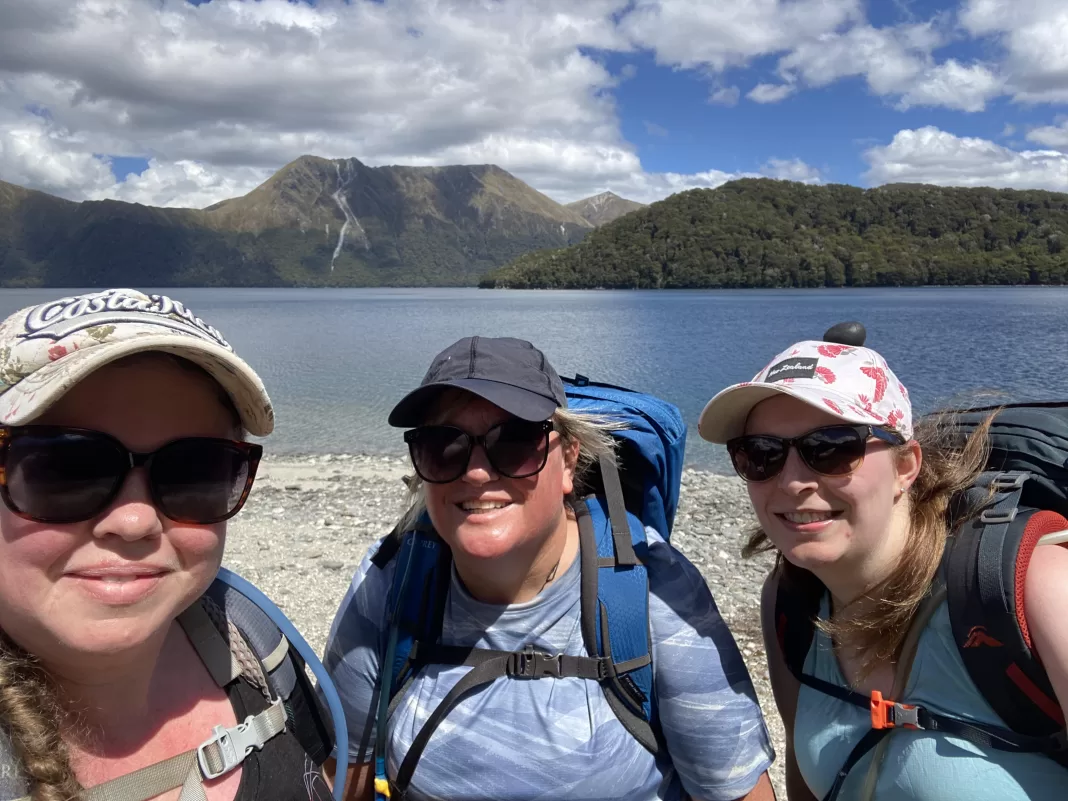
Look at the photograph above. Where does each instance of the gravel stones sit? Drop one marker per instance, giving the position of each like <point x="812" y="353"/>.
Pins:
<point x="309" y="521"/>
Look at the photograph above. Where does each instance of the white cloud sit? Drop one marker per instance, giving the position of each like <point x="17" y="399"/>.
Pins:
<point x="187" y="184"/>
<point x="791" y="170"/>
<point x="770" y="92"/>
<point x="718" y="35"/>
<point x="36" y="154"/>
<point x="1034" y="35"/>
<point x="930" y="155"/>
<point x="653" y="129"/>
<point x="212" y="90"/>
<point x="1055" y="136"/>
<point x="725" y="96"/>
<point x="954" y="85"/>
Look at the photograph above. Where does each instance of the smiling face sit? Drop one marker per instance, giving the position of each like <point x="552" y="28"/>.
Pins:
<point x="484" y="515"/>
<point x="110" y="584"/>
<point x="830" y="523"/>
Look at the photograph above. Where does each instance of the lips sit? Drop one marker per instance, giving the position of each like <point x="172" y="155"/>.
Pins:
<point x="118" y="585"/>
<point x="802" y="518"/>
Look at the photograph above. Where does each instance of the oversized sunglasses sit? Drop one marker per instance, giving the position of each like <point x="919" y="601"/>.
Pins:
<point x="514" y="448"/>
<point x="835" y="450"/>
<point x="55" y="474"/>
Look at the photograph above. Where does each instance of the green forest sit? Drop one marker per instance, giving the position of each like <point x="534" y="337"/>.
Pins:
<point x="769" y="233"/>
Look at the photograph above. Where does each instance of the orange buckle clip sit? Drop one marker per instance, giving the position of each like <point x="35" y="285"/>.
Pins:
<point x="887" y="714"/>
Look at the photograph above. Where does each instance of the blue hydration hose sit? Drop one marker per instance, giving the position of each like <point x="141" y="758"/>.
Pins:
<point x="333" y="701"/>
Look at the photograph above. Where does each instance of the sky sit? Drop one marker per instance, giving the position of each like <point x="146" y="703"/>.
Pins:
<point x="177" y="103"/>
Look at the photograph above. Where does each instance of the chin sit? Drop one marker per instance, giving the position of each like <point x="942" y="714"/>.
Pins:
<point x="109" y="637"/>
<point x="479" y="542"/>
<point x="813" y="556"/>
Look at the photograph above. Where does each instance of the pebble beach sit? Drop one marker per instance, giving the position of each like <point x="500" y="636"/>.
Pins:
<point x="309" y="521"/>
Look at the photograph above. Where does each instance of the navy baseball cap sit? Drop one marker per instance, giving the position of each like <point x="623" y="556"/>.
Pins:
<point x="510" y="373"/>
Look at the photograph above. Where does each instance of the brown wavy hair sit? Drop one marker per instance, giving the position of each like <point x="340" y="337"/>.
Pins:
<point x="32" y="720"/>
<point x="875" y="625"/>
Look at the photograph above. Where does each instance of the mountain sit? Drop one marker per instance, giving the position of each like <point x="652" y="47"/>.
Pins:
<point x="768" y="233"/>
<point x="315" y="222"/>
<point x="604" y="208"/>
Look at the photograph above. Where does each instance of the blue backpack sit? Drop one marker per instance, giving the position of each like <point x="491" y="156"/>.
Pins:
<point x="643" y="491"/>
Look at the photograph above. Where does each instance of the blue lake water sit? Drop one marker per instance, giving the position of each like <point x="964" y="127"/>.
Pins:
<point x="336" y="360"/>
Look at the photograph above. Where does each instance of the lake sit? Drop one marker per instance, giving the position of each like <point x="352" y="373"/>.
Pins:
<point x="336" y="360"/>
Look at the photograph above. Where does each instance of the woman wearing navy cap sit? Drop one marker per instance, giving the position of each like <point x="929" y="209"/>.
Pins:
<point x="501" y="463"/>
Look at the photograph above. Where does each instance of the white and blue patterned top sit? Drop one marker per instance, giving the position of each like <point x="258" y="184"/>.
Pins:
<point x="557" y="738"/>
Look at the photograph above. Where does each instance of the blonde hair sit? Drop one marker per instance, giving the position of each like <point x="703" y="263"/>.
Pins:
<point x="592" y="433"/>
<point x="875" y="625"/>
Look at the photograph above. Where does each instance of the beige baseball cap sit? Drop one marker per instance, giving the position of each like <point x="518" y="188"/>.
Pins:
<point x="45" y="350"/>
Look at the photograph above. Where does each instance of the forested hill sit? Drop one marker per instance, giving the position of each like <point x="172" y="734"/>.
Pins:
<point x="767" y="233"/>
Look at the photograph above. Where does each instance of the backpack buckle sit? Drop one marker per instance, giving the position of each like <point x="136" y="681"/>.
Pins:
<point x="887" y="714"/>
<point x="228" y="747"/>
<point x="1003" y="482"/>
<point x="531" y="664"/>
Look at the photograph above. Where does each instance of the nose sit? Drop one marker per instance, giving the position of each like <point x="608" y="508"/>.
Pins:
<point x="479" y="469"/>
<point x="797" y="477"/>
<point x="132" y="515"/>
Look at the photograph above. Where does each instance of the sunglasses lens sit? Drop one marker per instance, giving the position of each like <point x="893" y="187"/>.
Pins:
<point x="834" y="451"/>
<point x="518" y="448"/>
<point x="62" y="477"/>
<point x="200" y="480"/>
<point x="439" y="453"/>
<point x="757" y="458"/>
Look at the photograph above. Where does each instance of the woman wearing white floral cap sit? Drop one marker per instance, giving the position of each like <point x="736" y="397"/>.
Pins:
<point x="856" y="504"/>
<point x="122" y="668"/>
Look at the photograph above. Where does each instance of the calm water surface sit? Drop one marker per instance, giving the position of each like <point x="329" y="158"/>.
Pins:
<point x="335" y="361"/>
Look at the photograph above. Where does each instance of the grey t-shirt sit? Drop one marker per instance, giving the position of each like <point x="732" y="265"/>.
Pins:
<point x="558" y="738"/>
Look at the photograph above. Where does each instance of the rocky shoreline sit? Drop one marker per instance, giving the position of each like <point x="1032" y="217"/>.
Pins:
<point x="310" y="519"/>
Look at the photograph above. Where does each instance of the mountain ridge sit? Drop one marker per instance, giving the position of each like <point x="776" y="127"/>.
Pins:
<point x="315" y="222"/>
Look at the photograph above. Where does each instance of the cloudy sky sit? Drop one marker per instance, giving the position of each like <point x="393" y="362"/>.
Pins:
<point x="178" y="103"/>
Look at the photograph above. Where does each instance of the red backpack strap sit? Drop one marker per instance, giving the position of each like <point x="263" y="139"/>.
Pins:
<point x="984" y="567"/>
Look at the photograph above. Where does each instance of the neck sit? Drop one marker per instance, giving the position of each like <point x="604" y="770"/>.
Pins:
<point x="521" y="575"/>
<point x="853" y="577"/>
<point x="110" y="697"/>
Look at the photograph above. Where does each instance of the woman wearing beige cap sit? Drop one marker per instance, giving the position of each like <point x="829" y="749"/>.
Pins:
<point x="857" y="507"/>
<point x="125" y="666"/>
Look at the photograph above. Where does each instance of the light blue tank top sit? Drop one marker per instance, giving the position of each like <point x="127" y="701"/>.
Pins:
<point x="918" y="766"/>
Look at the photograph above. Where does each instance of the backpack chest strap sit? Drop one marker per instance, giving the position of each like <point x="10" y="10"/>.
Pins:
<point x="219" y="754"/>
<point x="527" y="663"/>
<point x="227" y="747"/>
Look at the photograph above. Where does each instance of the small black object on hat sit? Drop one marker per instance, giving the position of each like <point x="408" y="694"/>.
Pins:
<point x="851" y="333"/>
<point x="509" y="373"/>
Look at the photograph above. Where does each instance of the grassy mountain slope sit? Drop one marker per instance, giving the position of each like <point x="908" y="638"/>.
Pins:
<point x="604" y="208"/>
<point x="315" y="222"/>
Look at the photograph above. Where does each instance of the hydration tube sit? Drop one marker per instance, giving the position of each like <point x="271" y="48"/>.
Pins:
<point x="1054" y="538"/>
<point x="333" y="701"/>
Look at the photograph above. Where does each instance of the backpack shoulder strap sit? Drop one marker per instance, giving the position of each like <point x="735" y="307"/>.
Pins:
<point x="984" y="567"/>
<point x="415" y="608"/>
<point x="615" y="614"/>
<point x="795" y="623"/>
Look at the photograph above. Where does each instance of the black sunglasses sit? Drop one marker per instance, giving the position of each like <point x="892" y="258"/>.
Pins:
<point x="514" y="448"/>
<point x="55" y="474"/>
<point x="830" y="451"/>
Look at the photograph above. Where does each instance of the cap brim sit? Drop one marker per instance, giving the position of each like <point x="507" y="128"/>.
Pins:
<point x="33" y="395"/>
<point x="724" y="416"/>
<point x="521" y="403"/>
